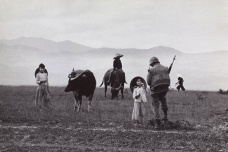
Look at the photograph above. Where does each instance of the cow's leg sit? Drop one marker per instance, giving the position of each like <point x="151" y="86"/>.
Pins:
<point x="105" y="90"/>
<point x="76" y="100"/>
<point x="112" y="92"/>
<point x="80" y="102"/>
<point x="76" y="107"/>
<point x="122" y="88"/>
<point x="89" y="102"/>
<point x="122" y="93"/>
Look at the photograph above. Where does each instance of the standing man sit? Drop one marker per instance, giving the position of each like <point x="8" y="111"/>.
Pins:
<point x="159" y="81"/>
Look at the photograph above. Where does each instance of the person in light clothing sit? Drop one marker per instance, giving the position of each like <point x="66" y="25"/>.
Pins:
<point x="43" y="87"/>
<point x="139" y="96"/>
<point x="36" y="72"/>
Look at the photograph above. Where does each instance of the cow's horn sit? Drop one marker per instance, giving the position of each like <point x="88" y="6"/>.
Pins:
<point x="118" y="87"/>
<point x="78" y="76"/>
<point x="73" y="70"/>
<point x="71" y="79"/>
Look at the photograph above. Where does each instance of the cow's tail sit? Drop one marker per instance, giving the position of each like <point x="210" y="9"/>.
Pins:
<point x="102" y="83"/>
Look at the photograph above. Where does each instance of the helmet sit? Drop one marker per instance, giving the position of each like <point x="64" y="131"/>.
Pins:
<point x="154" y="60"/>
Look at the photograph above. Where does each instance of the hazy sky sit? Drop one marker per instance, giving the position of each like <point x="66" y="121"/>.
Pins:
<point x="186" y="25"/>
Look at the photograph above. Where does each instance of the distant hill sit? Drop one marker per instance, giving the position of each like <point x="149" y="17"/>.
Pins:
<point x="20" y="57"/>
<point x="47" y="45"/>
<point x="160" y="50"/>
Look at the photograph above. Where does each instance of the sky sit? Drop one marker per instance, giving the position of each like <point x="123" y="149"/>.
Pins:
<point x="189" y="26"/>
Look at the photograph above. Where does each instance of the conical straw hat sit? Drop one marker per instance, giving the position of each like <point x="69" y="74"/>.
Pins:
<point x="133" y="83"/>
<point x="118" y="56"/>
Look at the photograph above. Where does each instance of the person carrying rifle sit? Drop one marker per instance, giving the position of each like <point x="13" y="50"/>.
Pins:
<point x="159" y="81"/>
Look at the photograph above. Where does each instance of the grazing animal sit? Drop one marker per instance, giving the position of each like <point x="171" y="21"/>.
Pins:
<point x="117" y="80"/>
<point x="81" y="83"/>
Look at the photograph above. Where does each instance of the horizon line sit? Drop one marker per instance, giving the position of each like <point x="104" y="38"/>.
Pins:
<point x="105" y="47"/>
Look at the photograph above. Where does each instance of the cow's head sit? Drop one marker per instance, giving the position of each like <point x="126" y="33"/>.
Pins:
<point x="116" y="85"/>
<point x="74" y="77"/>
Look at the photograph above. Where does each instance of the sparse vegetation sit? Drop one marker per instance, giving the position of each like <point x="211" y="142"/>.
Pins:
<point x="222" y="91"/>
<point x="193" y="106"/>
<point x="61" y="125"/>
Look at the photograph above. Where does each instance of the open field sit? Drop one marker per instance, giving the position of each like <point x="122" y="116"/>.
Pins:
<point x="108" y="127"/>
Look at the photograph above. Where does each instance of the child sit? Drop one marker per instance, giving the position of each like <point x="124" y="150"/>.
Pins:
<point x="139" y="96"/>
<point x="180" y="83"/>
<point x="43" y="88"/>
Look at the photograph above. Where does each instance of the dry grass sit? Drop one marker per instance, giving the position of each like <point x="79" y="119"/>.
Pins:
<point x="17" y="105"/>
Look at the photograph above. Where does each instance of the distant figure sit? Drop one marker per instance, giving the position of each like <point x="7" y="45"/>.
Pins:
<point x="180" y="83"/>
<point x="117" y="62"/>
<point x="117" y="65"/>
<point x="42" y="92"/>
<point x="139" y="96"/>
<point x="159" y="81"/>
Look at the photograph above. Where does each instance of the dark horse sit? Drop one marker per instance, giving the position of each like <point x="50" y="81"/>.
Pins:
<point x="117" y="80"/>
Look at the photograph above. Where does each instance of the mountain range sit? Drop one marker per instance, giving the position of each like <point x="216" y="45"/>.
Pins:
<point x="21" y="56"/>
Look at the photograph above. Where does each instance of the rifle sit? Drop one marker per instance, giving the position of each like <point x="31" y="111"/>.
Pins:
<point x="170" y="67"/>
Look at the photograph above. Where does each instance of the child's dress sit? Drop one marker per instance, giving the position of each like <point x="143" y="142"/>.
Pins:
<point x="139" y="107"/>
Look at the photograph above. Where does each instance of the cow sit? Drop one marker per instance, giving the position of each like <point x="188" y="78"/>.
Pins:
<point x="81" y="83"/>
<point x="116" y="81"/>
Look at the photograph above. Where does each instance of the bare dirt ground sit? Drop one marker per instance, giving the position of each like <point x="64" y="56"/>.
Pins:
<point x="109" y="127"/>
<point x="57" y="136"/>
